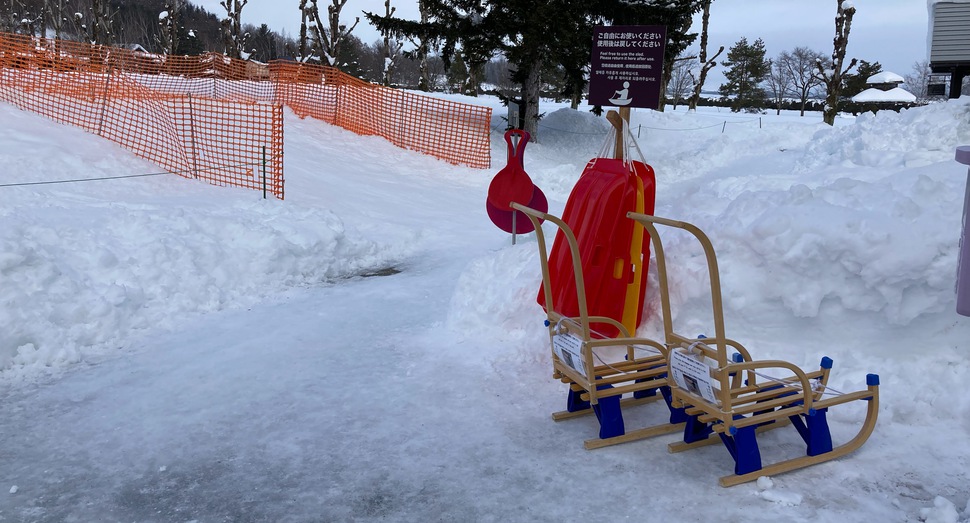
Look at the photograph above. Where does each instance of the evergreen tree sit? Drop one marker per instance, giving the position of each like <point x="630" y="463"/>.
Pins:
<point x="538" y="36"/>
<point x="349" y="56"/>
<point x="426" y="35"/>
<point x="572" y="52"/>
<point x="450" y="26"/>
<point x="854" y="84"/>
<point x="535" y="35"/>
<point x="746" y="69"/>
<point x="264" y="43"/>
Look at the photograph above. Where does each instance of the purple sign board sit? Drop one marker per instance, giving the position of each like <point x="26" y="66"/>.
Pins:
<point x="626" y="65"/>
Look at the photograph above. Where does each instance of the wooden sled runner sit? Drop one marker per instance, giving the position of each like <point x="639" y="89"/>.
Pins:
<point x="600" y="369"/>
<point x="730" y="398"/>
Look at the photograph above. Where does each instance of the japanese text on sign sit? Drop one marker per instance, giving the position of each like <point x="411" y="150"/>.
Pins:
<point x="626" y="66"/>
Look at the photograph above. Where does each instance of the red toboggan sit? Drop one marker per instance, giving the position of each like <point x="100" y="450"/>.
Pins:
<point x="615" y="251"/>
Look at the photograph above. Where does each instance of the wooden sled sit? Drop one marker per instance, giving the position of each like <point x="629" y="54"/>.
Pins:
<point x="599" y="369"/>
<point x="731" y="398"/>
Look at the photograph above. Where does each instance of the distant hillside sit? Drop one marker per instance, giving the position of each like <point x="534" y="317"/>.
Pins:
<point x="138" y="22"/>
<point x="131" y="22"/>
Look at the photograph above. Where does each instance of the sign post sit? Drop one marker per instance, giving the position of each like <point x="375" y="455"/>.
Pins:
<point x="626" y="66"/>
<point x="963" y="262"/>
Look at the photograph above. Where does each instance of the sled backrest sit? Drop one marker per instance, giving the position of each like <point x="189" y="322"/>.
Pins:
<point x="553" y="314"/>
<point x="710" y="351"/>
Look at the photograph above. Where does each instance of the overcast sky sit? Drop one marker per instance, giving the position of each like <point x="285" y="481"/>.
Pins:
<point x="891" y="32"/>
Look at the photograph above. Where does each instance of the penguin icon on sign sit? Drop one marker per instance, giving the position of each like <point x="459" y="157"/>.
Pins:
<point x="622" y="96"/>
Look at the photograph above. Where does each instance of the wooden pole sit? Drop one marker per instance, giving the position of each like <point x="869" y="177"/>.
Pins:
<point x="618" y="122"/>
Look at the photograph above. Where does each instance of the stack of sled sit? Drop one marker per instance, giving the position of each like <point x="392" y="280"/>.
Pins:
<point x="593" y="284"/>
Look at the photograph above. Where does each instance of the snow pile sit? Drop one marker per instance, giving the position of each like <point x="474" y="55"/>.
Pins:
<point x="82" y="271"/>
<point x="891" y="140"/>
<point x="256" y="358"/>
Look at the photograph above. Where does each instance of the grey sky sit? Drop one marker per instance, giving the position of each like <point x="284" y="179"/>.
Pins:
<point x="891" y="32"/>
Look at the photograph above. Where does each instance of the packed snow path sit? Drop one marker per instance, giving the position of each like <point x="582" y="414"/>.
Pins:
<point x="250" y="372"/>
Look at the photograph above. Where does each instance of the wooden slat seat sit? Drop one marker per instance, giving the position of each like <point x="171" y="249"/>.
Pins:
<point x="605" y="388"/>
<point x="730" y="399"/>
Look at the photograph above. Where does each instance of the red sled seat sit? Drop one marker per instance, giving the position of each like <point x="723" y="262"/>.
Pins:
<point x="614" y="250"/>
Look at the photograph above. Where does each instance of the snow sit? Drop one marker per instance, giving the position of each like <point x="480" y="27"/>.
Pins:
<point x="884" y="77"/>
<point x="896" y="94"/>
<point x="370" y="349"/>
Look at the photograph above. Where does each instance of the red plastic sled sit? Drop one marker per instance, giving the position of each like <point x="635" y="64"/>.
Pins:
<point x="512" y="184"/>
<point x="615" y="250"/>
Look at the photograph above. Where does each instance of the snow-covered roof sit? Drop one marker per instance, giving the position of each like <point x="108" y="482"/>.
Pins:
<point x="895" y="94"/>
<point x="885" y="77"/>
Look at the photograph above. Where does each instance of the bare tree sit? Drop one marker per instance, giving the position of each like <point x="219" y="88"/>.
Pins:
<point x="705" y="64"/>
<point x="681" y="84"/>
<point x="7" y="17"/>
<point x="498" y="72"/>
<point x="422" y="47"/>
<point x="169" y="21"/>
<point x="232" y="34"/>
<point x="918" y="80"/>
<point x="312" y="34"/>
<point x="101" y="23"/>
<point x="42" y="19"/>
<point x="22" y="16"/>
<point x="304" y="48"/>
<point x="136" y="28"/>
<point x="437" y="74"/>
<point x="801" y="66"/>
<point x="832" y="78"/>
<point x="778" y="83"/>
<point x="423" y="42"/>
<point x="319" y="39"/>
<point x="29" y="20"/>
<point x="392" y="48"/>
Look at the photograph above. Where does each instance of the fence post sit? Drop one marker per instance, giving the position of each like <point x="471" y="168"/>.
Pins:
<point x="195" y="154"/>
<point x="104" y="99"/>
<point x="264" y="172"/>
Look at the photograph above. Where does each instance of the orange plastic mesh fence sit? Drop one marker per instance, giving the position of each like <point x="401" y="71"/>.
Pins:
<point x="455" y="132"/>
<point x="219" y="119"/>
<point x="234" y="139"/>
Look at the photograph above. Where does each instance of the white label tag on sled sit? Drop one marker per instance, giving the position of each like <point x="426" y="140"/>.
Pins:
<point x="568" y="347"/>
<point x="692" y="375"/>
